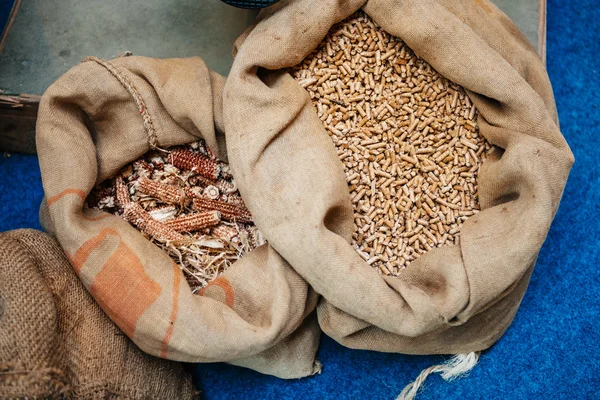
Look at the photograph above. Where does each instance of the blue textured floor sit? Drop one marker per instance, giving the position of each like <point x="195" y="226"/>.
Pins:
<point x="552" y="349"/>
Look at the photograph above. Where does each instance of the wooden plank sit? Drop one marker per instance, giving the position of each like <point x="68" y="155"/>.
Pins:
<point x="9" y="24"/>
<point x="542" y="13"/>
<point x="17" y="123"/>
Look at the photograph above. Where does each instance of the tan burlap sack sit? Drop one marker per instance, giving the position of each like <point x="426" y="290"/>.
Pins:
<point x="453" y="299"/>
<point x="102" y="115"/>
<point x="55" y="342"/>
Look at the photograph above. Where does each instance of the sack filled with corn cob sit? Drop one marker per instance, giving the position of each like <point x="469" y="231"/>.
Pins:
<point x="185" y="201"/>
<point x="404" y="157"/>
<point x="141" y="199"/>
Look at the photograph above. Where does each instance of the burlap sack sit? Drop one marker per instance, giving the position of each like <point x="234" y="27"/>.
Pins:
<point x="453" y="299"/>
<point x="94" y="120"/>
<point x="55" y="342"/>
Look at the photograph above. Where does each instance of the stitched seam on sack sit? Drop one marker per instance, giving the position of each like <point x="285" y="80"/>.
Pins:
<point x="120" y="75"/>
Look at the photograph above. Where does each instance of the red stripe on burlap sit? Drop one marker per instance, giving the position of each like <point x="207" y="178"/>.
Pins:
<point x="96" y="218"/>
<point x="224" y="284"/>
<point x="81" y="255"/>
<point x="122" y="288"/>
<point x="64" y="193"/>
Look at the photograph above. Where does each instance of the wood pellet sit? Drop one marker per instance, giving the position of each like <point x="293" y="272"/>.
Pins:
<point x="186" y="202"/>
<point x="407" y="137"/>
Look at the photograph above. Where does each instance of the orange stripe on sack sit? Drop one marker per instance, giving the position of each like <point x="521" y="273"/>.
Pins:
<point x="97" y="218"/>
<point x="123" y="289"/>
<point x="62" y="194"/>
<point x="81" y="255"/>
<point x="484" y="5"/>
<point x="164" y="350"/>
<point x="224" y="284"/>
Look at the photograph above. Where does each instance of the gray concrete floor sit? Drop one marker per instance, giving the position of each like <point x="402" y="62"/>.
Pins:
<point x="50" y="36"/>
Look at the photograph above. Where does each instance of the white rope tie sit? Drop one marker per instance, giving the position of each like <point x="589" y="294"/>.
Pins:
<point x="456" y="367"/>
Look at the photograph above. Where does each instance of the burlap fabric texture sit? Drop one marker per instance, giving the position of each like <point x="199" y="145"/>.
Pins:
<point x="94" y="120"/>
<point x="56" y="342"/>
<point x="454" y="299"/>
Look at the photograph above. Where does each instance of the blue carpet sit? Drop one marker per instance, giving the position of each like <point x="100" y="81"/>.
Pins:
<point x="20" y="191"/>
<point x="550" y="351"/>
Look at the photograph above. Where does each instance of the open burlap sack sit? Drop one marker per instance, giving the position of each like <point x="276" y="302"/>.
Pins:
<point x="94" y="120"/>
<point x="453" y="299"/>
<point x="56" y="342"/>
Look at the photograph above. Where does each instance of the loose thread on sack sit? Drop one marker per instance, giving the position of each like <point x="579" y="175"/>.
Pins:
<point x="317" y="368"/>
<point x="456" y="367"/>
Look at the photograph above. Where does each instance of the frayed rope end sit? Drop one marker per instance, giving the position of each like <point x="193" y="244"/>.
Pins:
<point x="456" y="367"/>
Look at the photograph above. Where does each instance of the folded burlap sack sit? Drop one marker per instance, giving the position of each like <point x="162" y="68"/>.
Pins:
<point x="55" y="342"/>
<point x="99" y="117"/>
<point x="453" y="299"/>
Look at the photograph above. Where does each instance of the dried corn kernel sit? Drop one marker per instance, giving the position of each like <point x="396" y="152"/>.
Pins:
<point x="194" y="222"/>
<point x="122" y="192"/>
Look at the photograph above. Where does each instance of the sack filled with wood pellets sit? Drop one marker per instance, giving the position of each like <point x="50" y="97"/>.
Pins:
<point x="404" y="157"/>
<point x="140" y="197"/>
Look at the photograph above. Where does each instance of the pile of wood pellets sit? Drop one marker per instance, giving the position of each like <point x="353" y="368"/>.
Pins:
<point x="407" y="137"/>
<point x="185" y="201"/>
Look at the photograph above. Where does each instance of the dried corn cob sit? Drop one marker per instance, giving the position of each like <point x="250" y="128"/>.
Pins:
<point x="196" y="162"/>
<point x="122" y="192"/>
<point x="228" y="211"/>
<point x="166" y="193"/>
<point x="139" y="217"/>
<point x="236" y="200"/>
<point x="194" y="222"/>
<point x="224" y="232"/>
<point x="209" y="153"/>
<point x="223" y="185"/>
<point x="211" y="192"/>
